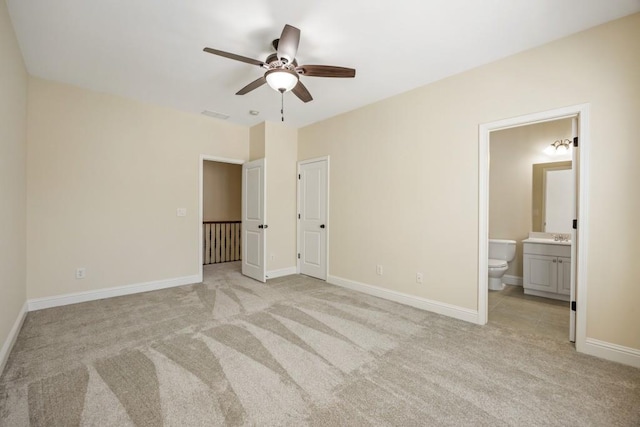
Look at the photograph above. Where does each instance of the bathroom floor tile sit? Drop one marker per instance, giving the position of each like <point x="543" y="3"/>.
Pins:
<point x="529" y="314"/>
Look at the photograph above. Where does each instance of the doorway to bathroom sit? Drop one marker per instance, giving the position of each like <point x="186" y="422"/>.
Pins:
<point x="531" y="191"/>
<point x="523" y="195"/>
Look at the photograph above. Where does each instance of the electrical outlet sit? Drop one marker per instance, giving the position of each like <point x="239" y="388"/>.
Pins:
<point x="419" y="278"/>
<point x="379" y="270"/>
<point x="181" y="212"/>
<point x="81" y="273"/>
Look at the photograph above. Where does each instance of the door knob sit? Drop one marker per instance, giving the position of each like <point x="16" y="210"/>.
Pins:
<point x="322" y="226"/>
<point x="263" y="226"/>
<point x="266" y="226"/>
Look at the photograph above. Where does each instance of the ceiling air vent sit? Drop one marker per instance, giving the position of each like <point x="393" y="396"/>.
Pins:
<point x="215" y="115"/>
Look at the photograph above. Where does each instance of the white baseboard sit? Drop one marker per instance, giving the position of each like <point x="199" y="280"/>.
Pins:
<point x="406" y="299"/>
<point x="508" y="279"/>
<point x="74" y="298"/>
<point x="614" y="352"/>
<point x="602" y="349"/>
<point x="281" y="272"/>
<point x="13" y="335"/>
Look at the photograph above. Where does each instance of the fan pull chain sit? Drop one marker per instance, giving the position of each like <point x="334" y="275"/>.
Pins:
<point x="282" y="104"/>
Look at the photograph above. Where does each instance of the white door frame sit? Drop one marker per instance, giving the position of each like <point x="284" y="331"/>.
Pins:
<point x="582" y="112"/>
<point x="203" y="158"/>
<point x="327" y="222"/>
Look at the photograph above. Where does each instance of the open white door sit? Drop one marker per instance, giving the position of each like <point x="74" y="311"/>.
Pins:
<point x="254" y="213"/>
<point x="575" y="169"/>
<point x="312" y="217"/>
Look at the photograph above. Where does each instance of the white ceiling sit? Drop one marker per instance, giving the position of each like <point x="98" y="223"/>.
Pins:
<point x="151" y="50"/>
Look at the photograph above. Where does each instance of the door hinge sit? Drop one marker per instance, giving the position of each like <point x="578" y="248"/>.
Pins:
<point x="575" y="141"/>
<point x="575" y="224"/>
<point x="573" y="306"/>
<point x="298" y="256"/>
<point x="298" y="216"/>
<point x="299" y="176"/>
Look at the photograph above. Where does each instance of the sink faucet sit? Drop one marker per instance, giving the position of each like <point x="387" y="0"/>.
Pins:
<point x="561" y="237"/>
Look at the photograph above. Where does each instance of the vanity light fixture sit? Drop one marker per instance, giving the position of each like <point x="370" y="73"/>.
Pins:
<point x="560" y="146"/>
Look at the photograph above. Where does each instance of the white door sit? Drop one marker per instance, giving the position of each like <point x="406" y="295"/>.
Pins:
<point x="312" y="218"/>
<point x="254" y="215"/>
<point x="575" y="168"/>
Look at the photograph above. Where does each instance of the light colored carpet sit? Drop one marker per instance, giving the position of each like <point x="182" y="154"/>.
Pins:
<point x="296" y="351"/>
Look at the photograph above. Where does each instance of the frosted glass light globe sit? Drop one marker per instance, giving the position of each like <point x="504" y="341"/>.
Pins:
<point x="282" y="80"/>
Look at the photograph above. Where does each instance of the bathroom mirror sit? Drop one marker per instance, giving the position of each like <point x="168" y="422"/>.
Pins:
<point x="552" y="197"/>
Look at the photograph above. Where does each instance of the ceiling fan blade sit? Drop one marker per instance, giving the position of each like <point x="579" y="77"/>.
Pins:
<point x="251" y="86"/>
<point x="288" y="43"/>
<point x="234" y="56"/>
<point x="302" y="92"/>
<point x="325" y="71"/>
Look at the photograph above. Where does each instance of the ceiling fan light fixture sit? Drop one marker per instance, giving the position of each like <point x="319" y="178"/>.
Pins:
<point x="283" y="71"/>
<point x="281" y="79"/>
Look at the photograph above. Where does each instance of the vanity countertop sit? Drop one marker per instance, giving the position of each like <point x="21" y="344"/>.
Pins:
<point x="547" y="241"/>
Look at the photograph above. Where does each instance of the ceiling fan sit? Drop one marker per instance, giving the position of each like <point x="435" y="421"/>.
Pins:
<point x="283" y="72"/>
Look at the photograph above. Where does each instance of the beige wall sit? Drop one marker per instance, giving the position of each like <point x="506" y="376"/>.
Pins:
<point x="404" y="173"/>
<point x="13" y="144"/>
<point x="281" y="154"/>
<point x="513" y="153"/>
<point x="277" y="143"/>
<point x="222" y="191"/>
<point x="257" y="141"/>
<point x="105" y="177"/>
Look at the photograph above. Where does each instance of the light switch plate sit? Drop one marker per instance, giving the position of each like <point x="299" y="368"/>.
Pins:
<point x="182" y="212"/>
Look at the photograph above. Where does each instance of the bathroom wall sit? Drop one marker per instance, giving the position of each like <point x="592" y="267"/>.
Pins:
<point x="513" y="153"/>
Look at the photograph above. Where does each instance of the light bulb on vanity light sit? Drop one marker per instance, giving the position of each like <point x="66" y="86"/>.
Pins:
<point x="558" y="147"/>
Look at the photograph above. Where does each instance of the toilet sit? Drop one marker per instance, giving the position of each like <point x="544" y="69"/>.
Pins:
<point x="501" y="253"/>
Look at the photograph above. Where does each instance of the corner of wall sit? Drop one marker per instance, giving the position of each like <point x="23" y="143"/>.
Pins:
<point x="257" y="141"/>
<point x="9" y="342"/>
<point x="13" y="175"/>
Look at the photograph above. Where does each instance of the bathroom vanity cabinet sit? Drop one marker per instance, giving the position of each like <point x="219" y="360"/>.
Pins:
<point x="547" y="269"/>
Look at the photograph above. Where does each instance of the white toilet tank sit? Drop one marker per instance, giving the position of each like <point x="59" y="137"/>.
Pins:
<point x="502" y="249"/>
